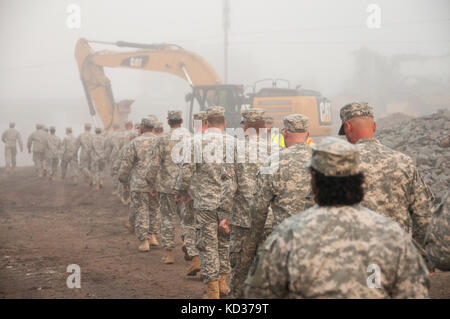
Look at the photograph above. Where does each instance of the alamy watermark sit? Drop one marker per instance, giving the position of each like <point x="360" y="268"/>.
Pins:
<point x="374" y="19"/>
<point x="73" y="20"/>
<point x="74" y="279"/>
<point x="374" y="280"/>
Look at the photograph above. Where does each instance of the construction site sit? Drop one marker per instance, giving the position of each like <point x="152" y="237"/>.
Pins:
<point x="117" y="74"/>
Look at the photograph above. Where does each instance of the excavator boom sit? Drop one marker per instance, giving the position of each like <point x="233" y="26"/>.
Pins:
<point x="153" y="57"/>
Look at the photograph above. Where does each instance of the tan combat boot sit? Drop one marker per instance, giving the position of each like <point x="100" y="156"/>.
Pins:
<point x="168" y="259"/>
<point x="212" y="290"/>
<point x="223" y="285"/>
<point x="128" y="226"/>
<point x="154" y="240"/>
<point x="195" y="267"/>
<point x="75" y="180"/>
<point x="97" y="186"/>
<point x="144" y="246"/>
<point x="184" y="250"/>
<point x="40" y="174"/>
<point x="100" y="183"/>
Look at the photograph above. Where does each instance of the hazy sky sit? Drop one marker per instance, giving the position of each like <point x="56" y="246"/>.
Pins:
<point x="308" y="42"/>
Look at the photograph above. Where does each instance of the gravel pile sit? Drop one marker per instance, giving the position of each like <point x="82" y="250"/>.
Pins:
<point x="426" y="140"/>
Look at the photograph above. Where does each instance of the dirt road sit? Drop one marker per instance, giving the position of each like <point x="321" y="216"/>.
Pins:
<point x="44" y="227"/>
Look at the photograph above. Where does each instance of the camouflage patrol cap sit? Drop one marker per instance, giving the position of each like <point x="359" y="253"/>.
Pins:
<point x="68" y="129"/>
<point x="148" y="122"/>
<point x="87" y="126"/>
<point x="155" y="119"/>
<point x="200" y="116"/>
<point x="45" y="128"/>
<point x="215" y="111"/>
<point x="174" y="115"/>
<point x="297" y="123"/>
<point x="158" y="126"/>
<point x="268" y="119"/>
<point x="12" y="124"/>
<point x="137" y="125"/>
<point x="129" y="123"/>
<point x="355" y="109"/>
<point x="38" y="126"/>
<point x="116" y="125"/>
<point x="98" y="130"/>
<point x="52" y="128"/>
<point x="253" y="115"/>
<point x="333" y="156"/>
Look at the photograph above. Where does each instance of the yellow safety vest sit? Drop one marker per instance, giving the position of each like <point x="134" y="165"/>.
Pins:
<point x="278" y="138"/>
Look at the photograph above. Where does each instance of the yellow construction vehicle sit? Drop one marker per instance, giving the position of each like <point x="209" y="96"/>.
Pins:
<point x="207" y="87"/>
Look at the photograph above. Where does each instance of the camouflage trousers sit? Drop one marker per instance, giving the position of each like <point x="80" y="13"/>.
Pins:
<point x="98" y="166"/>
<point x="124" y="194"/>
<point x="72" y="163"/>
<point x="169" y="208"/>
<point x="52" y="165"/>
<point x="39" y="161"/>
<point x="241" y="259"/>
<point x="188" y="228"/>
<point x="144" y="214"/>
<point x="212" y="245"/>
<point x="10" y="157"/>
<point x="85" y="166"/>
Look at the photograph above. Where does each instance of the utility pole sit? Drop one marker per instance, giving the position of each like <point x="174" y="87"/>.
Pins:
<point x="226" y="26"/>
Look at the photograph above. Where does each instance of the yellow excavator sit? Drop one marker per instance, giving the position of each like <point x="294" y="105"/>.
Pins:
<point x="207" y="86"/>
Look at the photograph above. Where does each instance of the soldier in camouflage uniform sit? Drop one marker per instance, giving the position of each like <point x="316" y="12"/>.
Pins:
<point x="127" y="136"/>
<point x="188" y="215"/>
<point x="69" y="156"/>
<point x="98" y="157"/>
<point x="11" y="137"/>
<point x="206" y="167"/>
<point x="84" y="142"/>
<point x="38" y="140"/>
<point x="437" y="240"/>
<point x="54" y="150"/>
<point x="46" y="162"/>
<point x="144" y="206"/>
<point x="338" y="248"/>
<point x="112" y="154"/>
<point x="162" y="171"/>
<point x="255" y="149"/>
<point x="159" y="129"/>
<point x="286" y="189"/>
<point x="395" y="188"/>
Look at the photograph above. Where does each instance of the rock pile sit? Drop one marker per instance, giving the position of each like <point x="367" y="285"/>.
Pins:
<point x="426" y="140"/>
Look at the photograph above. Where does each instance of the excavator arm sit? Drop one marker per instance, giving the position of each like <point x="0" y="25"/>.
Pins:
<point x="152" y="57"/>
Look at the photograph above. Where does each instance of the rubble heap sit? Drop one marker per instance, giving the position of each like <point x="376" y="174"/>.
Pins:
<point x="426" y="140"/>
<point x="392" y="119"/>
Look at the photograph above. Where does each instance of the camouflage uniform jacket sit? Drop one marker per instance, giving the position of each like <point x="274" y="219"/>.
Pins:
<point x="69" y="148"/>
<point x="245" y="171"/>
<point x="287" y="190"/>
<point x="98" y="150"/>
<point x="39" y="141"/>
<point x="207" y="171"/>
<point x="162" y="171"/>
<point x="329" y="252"/>
<point x="135" y="160"/>
<point x="113" y="145"/>
<point x="53" y="146"/>
<point x="84" y="142"/>
<point x="395" y="188"/>
<point x="437" y="241"/>
<point x="11" y="137"/>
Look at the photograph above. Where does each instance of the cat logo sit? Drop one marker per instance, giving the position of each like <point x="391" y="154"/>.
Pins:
<point x="135" y="61"/>
<point x="324" y="112"/>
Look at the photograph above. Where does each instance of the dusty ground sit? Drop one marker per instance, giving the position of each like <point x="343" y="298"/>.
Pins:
<point x="44" y="227"/>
